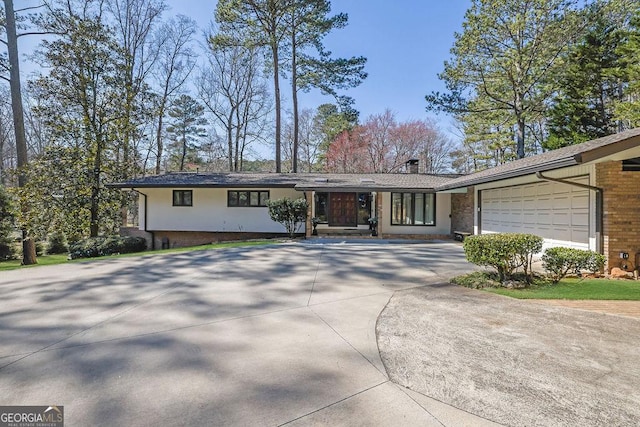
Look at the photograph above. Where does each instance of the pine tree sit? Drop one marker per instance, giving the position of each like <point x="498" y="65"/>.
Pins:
<point x="186" y="128"/>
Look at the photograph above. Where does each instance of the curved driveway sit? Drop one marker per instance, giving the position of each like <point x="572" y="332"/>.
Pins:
<point x="280" y="334"/>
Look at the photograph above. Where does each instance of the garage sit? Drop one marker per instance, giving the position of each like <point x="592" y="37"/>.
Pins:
<point x="557" y="212"/>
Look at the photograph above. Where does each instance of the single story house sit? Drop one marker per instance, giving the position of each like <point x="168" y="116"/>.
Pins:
<point x="583" y="196"/>
<point x="181" y="209"/>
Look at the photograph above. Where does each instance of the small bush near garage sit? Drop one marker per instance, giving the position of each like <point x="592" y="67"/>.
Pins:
<point x="558" y="262"/>
<point x="506" y="252"/>
<point x="109" y="245"/>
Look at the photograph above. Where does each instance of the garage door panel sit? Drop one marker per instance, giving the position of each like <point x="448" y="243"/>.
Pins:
<point x="557" y="212"/>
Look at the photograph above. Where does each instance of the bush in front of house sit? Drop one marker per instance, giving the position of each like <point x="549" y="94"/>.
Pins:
<point x="558" y="262"/>
<point x="57" y="243"/>
<point x="506" y="252"/>
<point x="7" y="247"/>
<point x="288" y="212"/>
<point x="108" y="245"/>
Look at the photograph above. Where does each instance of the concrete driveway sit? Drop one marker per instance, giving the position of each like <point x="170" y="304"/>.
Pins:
<point x="282" y="334"/>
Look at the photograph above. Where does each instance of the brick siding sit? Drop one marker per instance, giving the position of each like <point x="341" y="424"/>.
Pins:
<point x="621" y="213"/>
<point x="462" y="211"/>
<point x="180" y="239"/>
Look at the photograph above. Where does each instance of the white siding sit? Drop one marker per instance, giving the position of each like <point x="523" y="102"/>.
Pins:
<point x="209" y="211"/>
<point x="557" y="212"/>
<point x="443" y="218"/>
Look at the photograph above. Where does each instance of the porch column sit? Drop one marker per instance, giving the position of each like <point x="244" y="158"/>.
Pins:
<point x="379" y="214"/>
<point x="308" y="227"/>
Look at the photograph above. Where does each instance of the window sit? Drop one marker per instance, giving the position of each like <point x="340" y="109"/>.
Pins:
<point x="364" y="208"/>
<point x="247" y="199"/>
<point x="631" y="165"/>
<point x="322" y="207"/>
<point x="413" y="209"/>
<point x="182" y="198"/>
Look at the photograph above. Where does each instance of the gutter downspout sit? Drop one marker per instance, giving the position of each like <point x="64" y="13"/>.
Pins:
<point x="153" y="235"/>
<point x="599" y="205"/>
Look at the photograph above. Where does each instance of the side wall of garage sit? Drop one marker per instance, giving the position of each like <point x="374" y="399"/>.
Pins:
<point x="621" y="221"/>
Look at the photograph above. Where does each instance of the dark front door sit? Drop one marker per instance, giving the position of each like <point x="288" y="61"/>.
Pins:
<point x="343" y="210"/>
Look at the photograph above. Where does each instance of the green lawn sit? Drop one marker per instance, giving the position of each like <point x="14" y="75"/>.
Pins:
<point x="576" y="289"/>
<point x="62" y="258"/>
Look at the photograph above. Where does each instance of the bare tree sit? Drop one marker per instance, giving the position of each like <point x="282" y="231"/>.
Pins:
<point x="134" y="22"/>
<point x="176" y="61"/>
<point x="236" y="95"/>
<point x="310" y="138"/>
<point x="7" y="148"/>
<point x="10" y="26"/>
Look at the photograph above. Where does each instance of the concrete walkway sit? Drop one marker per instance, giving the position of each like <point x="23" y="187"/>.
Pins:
<point x="517" y="362"/>
<point x="274" y="335"/>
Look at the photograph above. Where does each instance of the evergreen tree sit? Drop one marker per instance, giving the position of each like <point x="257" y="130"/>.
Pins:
<point x="588" y="84"/>
<point x="505" y="55"/>
<point x="628" y="109"/>
<point x="186" y="128"/>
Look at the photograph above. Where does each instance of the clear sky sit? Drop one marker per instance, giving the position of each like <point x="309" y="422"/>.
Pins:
<point x="405" y="41"/>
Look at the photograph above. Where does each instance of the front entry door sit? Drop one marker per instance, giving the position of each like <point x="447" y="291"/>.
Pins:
<point x="343" y="210"/>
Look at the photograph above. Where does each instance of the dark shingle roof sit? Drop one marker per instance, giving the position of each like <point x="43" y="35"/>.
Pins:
<point x="190" y="180"/>
<point x="299" y="181"/>
<point x="562" y="157"/>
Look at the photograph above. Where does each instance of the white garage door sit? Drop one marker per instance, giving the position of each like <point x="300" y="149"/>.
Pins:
<point x="557" y="212"/>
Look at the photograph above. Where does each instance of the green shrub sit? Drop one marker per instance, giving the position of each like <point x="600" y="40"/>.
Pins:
<point x="558" y="262"/>
<point x="8" y="251"/>
<point x="57" y="243"/>
<point x="109" y="245"/>
<point x="290" y="213"/>
<point x="39" y="247"/>
<point x="506" y="252"/>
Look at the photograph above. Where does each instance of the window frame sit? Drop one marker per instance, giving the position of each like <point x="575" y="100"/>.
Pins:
<point x="249" y="196"/>
<point x="402" y="195"/>
<point x="181" y="198"/>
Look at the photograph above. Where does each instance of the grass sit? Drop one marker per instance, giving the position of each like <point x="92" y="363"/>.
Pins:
<point x="62" y="258"/>
<point x="577" y="289"/>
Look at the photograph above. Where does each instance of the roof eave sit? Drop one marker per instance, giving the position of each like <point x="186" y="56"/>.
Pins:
<point x="185" y="185"/>
<point x="529" y="170"/>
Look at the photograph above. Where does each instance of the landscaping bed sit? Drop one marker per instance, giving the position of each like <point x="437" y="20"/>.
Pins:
<point x="570" y="288"/>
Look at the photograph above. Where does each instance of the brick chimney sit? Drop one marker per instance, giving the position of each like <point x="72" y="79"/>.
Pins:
<point x="412" y="165"/>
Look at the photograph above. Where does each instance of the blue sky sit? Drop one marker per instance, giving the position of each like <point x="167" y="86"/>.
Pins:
<point x="405" y="41"/>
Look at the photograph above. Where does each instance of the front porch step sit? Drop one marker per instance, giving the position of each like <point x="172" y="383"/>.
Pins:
<point x="343" y="232"/>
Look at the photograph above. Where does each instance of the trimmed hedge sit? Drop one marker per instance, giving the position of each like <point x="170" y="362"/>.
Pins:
<point x="109" y="245"/>
<point x="558" y="262"/>
<point x="506" y="252"/>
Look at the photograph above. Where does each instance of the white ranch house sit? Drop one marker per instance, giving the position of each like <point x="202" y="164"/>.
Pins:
<point x="584" y="196"/>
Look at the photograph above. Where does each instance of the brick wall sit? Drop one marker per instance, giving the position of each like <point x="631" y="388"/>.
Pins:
<point x="621" y="213"/>
<point x="462" y="211"/>
<point x="180" y="239"/>
<point x="416" y="236"/>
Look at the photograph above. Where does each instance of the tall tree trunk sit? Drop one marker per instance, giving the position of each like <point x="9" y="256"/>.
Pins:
<point x="159" y="144"/>
<point x="184" y="152"/>
<point x="294" y="97"/>
<point x="520" y="136"/>
<point x="94" y="224"/>
<point x="276" y="90"/>
<point x="16" y="106"/>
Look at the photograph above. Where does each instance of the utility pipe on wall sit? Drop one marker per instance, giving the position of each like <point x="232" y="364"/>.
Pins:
<point x="153" y="235"/>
